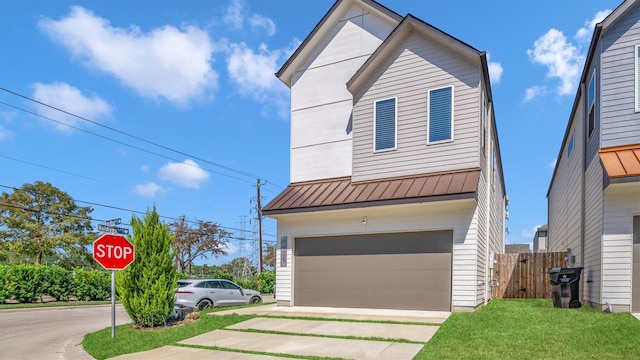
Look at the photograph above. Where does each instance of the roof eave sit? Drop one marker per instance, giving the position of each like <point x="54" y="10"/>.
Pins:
<point x="418" y="200"/>
<point x="286" y="72"/>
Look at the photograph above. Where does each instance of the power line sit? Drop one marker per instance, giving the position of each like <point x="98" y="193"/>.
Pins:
<point x="134" y="212"/>
<point x="123" y="133"/>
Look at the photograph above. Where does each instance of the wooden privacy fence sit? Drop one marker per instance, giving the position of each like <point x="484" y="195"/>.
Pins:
<point x="526" y="275"/>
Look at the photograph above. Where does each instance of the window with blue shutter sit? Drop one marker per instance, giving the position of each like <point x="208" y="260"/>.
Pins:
<point x="440" y="123"/>
<point x="385" y="124"/>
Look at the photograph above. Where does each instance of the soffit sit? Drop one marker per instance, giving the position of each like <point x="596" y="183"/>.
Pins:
<point x="621" y="161"/>
<point x="341" y="192"/>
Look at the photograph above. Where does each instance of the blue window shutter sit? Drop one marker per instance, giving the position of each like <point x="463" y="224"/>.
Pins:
<point x="440" y="114"/>
<point x="385" y="124"/>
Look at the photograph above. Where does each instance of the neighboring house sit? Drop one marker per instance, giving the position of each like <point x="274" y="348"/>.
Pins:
<point x="594" y="196"/>
<point x="516" y="249"/>
<point x="540" y="239"/>
<point x="397" y="197"/>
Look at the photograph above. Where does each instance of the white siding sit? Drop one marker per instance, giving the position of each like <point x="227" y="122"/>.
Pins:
<point x="620" y="122"/>
<point x="565" y="195"/>
<point x="621" y="204"/>
<point x="459" y="216"/>
<point x="594" y="257"/>
<point x="321" y="102"/>
<point x="418" y="65"/>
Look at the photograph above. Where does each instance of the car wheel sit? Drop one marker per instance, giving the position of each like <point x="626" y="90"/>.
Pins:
<point x="255" y="300"/>
<point x="204" y="304"/>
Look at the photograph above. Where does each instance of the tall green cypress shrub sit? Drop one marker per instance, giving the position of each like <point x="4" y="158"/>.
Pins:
<point x="147" y="286"/>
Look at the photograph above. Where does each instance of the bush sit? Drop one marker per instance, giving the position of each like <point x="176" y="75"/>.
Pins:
<point x="56" y="282"/>
<point x="266" y="282"/>
<point x="92" y="284"/>
<point x="24" y="283"/>
<point x="4" y="291"/>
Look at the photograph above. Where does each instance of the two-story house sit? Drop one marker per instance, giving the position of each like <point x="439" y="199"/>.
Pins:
<point x="397" y="197"/>
<point x="594" y="195"/>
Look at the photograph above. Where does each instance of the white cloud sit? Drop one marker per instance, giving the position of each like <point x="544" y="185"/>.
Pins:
<point x="562" y="59"/>
<point x="186" y="174"/>
<point x="234" y="14"/>
<point x="68" y="98"/>
<point x="5" y="134"/>
<point x="530" y="233"/>
<point x="533" y="92"/>
<point x="552" y="164"/>
<point x="259" y="23"/>
<point x="166" y="62"/>
<point x="584" y="34"/>
<point x="495" y="70"/>
<point x="148" y="190"/>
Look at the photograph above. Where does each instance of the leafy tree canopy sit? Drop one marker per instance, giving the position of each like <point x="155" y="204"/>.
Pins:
<point x="39" y="220"/>
<point x="192" y="242"/>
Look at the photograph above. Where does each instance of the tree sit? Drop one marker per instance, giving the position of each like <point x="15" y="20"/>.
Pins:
<point x="39" y="220"/>
<point x="193" y="242"/>
<point x="147" y="286"/>
<point x="269" y="257"/>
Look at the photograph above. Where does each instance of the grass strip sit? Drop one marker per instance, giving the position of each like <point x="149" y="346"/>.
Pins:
<point x="292" y="356"/>
<point x="274" y="332"/>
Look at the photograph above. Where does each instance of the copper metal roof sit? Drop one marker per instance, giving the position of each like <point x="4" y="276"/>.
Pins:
<point x="621" y="161"/>
<point x="342" y="193"/>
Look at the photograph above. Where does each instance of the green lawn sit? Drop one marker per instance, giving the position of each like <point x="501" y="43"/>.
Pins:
<point x="534" y="329"/>
<point x="504" y="329"/>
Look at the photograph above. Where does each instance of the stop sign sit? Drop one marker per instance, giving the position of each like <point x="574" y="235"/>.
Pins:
<point x="113" y="251"/>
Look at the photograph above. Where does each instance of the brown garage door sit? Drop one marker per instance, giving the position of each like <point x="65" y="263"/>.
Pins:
<point x="408" y="271"/>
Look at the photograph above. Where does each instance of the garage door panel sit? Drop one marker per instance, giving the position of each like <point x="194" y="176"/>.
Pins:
<point x="370" y="271"/>
<point x="399" y="262"/>
<point x="400" y="300"/>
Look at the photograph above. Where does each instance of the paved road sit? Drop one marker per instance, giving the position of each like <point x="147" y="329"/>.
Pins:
<point x="52" y="333"/>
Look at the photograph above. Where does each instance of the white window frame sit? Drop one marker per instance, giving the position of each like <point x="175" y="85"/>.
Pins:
<point x="429" y="142"/>
<point x="395" y="125"/>
<point x="636" y="80"/>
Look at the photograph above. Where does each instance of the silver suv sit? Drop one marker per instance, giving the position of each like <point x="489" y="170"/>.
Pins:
<point x="206" y="293"/>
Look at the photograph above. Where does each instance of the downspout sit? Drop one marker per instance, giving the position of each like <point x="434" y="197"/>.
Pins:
<point x="583" y="198"/>
<point x="488" y="274"/>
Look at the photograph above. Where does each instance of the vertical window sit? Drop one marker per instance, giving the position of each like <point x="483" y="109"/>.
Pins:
<point x="440" y="122"/>
<point x="385" y="124"/>
<point x="591" y="103"/>
<point x="570" y="148"/>
<point x="637" y="57"/>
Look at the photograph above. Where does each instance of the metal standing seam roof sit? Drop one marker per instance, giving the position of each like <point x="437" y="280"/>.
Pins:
<point x="621" y="161"/>
<point x="339" y="192"/>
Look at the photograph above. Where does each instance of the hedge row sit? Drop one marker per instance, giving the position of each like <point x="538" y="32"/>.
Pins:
<point x="29" y="283"/>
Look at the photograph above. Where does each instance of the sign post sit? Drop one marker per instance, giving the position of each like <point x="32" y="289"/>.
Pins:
<point x="113" y="252"/>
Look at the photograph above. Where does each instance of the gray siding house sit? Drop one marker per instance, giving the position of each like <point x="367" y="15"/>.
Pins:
<point x="594" y="196"/>
<point x="397" y="197"/>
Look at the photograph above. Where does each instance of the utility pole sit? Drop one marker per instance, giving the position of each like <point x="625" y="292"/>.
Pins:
<point x="259" y="210"/>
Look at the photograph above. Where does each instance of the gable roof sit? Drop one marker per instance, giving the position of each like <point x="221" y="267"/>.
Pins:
<point x="341" y="193"/>
<point x="319" y="32"/>
<point x="411" y="24"/>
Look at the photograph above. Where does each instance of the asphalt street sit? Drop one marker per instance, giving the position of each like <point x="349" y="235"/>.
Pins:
<point x="52" y="333"/>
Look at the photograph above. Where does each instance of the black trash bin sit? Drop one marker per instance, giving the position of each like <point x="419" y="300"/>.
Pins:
<point x="566" y="287"/>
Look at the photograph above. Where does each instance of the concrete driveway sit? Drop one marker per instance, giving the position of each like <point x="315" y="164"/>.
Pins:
<point x="369" y="337"/>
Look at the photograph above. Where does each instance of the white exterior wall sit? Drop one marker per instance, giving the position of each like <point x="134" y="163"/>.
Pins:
<point x="417" y="66"/>
<point x="621" y="204"/>
<point x="320" y="103"/>
<point x="459" y="216"/>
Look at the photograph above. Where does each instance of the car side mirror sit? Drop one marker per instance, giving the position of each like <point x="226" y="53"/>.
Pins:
<point x="241" y="291"/>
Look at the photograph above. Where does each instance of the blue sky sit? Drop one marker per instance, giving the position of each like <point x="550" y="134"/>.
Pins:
<point x="185" y="113"/>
